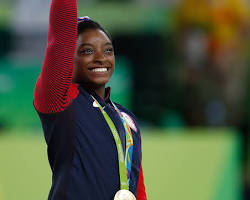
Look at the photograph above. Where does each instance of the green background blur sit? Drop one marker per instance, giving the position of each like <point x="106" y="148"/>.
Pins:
<point x="181" y="67"/>
<point x="202" y="166"/>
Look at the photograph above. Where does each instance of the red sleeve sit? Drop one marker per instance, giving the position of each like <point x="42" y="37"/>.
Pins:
<point x="54" y="90"/>
<point x="141" y="193"/>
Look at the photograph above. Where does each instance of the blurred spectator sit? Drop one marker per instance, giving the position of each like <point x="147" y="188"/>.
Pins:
<point x="212" y="42"/>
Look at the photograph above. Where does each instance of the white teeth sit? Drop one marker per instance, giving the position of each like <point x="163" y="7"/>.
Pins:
<point x="100" y="70"/>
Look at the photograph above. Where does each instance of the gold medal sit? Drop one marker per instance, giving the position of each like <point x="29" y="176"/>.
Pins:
<point x="124" y="195"/>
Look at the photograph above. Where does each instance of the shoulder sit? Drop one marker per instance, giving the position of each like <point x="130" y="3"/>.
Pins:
<point x="129" y="117"/>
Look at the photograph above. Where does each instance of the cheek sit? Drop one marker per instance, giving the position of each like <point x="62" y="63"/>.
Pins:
<point x="82" y="62"/>
<point x="112" y="61"/>
<point x="79" y="66"/>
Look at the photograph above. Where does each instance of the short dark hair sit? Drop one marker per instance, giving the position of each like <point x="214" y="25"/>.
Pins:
<point x="90" y="24"/>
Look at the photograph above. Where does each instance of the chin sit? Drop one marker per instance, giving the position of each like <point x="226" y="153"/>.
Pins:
<point x="99" y="82"/>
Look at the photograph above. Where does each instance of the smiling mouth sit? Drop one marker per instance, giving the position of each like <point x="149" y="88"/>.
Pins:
<point x="103" y="69"/>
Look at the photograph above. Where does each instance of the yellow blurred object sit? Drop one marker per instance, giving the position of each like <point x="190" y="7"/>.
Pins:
<point x="217" y="12"/>
<point x="194" y="12"/>
<point x="228" y="17"/>
<point x="213" y="38"/>
<point x="222" y="20"/>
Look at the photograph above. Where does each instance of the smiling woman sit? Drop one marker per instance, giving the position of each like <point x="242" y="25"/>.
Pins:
<point x="94" y="60"/>
<point x="94" y="144"/>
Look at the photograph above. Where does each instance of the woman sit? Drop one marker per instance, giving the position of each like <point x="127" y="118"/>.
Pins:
<point x="94" y="145"/>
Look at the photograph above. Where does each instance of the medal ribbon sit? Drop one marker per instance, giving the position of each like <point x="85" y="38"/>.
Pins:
<point x="124" y="164"/>
<point x="129" y="142"/>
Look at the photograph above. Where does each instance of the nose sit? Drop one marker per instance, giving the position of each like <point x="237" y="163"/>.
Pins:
<point x="99" y="57"/>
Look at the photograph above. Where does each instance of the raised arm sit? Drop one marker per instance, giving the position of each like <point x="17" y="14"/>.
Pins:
<point x="54" y="85"/>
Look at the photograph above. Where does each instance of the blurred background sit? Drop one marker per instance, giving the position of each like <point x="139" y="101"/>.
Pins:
<point x="182" y="67"/>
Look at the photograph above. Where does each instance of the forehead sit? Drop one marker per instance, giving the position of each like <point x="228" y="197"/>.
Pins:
<point x="93" y="36"/>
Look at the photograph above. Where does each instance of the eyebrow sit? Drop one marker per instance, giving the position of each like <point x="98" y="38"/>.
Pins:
<point x="88" y="44"/>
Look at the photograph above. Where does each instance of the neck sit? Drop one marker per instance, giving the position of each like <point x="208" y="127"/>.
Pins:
<point x="100" y="92"/>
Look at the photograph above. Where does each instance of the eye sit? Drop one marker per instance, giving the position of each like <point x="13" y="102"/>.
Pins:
<point x="87" y="51"/>
<point x="109" y="50"/>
